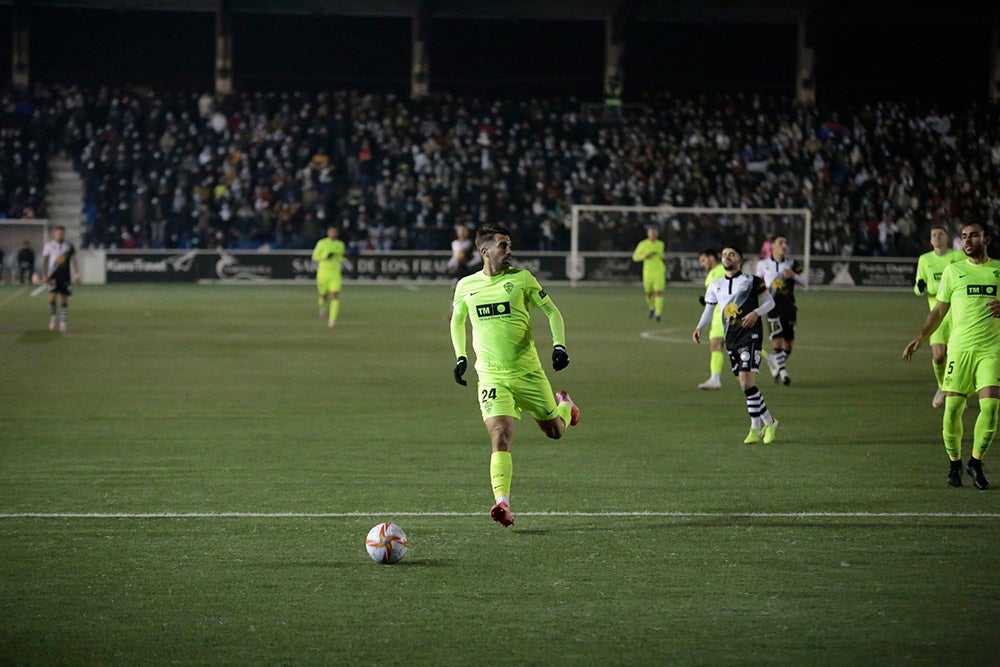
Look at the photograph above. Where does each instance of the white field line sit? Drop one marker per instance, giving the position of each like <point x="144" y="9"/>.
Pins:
<point x="350" y="515"/>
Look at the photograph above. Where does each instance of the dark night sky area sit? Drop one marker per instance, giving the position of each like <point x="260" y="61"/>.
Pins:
<point x="516" y="58"/>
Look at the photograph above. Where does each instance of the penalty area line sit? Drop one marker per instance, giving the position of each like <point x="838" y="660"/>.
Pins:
<point x="11" y="297"/>
<point x="352" y="515"/>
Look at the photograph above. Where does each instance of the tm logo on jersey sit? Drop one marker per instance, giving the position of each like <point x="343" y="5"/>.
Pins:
<point x="493" y="309"/>
<point x="981" y="290"/>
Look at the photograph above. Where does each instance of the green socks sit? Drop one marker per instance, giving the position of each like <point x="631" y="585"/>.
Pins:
<point x="986" y="425"/>
<point x="951" y="427"/>
<point x="501" y="469"/>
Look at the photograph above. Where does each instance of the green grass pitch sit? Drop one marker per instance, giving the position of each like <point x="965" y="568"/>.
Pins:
<point x="188" y="475"/>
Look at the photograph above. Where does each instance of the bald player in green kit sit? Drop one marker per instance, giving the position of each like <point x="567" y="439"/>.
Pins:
<point x="498" y="300"/>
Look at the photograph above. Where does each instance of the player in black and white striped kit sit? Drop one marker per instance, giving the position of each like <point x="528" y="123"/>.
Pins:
<point x="780" y="273"/>
<point x="742" y="301"/>
<point x="57" y="256"/>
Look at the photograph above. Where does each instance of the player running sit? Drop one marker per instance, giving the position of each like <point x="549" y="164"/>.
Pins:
<point x="328" y="254"/>
<point x="742" y="300"/>
<point x="930" y="266"/>
<point x="780" y="273"/>
<point x="651" y="251"/>
<point x="511" y="379"/>
<point x="968" y="290"/>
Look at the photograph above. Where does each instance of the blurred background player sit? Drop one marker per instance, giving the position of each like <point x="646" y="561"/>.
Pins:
<point x="650" y="251"/>
<point x="968" y="290"/>
<point x="328" y="254"/>
<point x="709" y="260"/>
<point x="464" y="258"/>
<point x="25" y="263"/>
<point x="511" y="379"/>
<point x="930" y="266"/>
<point x="57" y="256"/>
<point x="780" y="273"/>
<point x="743" y="300"/>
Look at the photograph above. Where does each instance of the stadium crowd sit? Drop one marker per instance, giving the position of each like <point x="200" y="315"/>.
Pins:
<point x="273" y="170"/>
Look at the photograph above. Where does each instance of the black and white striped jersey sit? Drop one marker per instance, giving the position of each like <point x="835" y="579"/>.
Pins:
<point x="736" y="296"/>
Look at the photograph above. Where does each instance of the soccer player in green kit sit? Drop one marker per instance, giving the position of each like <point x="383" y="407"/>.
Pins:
<point x="511" y="379"/>
<point x="968" y="290"/>
<point x="709" y="260"/>
<point x="930" y="266"/>
<point x="328" y="254"/>
<point x="650" y="252"/>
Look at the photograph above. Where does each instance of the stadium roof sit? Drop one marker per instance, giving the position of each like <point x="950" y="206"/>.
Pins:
<point x="754" y="11"/>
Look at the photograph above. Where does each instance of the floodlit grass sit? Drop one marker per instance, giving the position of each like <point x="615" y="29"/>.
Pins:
<point x="649" y="535"/>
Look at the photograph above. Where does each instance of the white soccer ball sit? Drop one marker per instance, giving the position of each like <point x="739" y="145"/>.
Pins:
<point x="386" y="543"/>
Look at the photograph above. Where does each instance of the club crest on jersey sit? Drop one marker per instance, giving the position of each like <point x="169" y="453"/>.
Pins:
<point x="981" y="290"/>
<point x="508" y="286"/>
<point x="493" y="309"/>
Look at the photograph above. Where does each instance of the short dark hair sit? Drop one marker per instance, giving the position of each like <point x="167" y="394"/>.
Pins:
<point x="486" y="233"/>
<point x="709" y="252"/>
<point x="735" y="248"/>
<point x="985" y="227"/>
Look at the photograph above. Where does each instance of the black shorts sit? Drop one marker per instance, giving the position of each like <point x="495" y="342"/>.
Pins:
<point x="744" y="353"/>
<point x="782" y="325"/>
<point x="58" y="286"/>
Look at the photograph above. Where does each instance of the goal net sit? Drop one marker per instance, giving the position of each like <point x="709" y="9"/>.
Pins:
<point x="602" y="238"/>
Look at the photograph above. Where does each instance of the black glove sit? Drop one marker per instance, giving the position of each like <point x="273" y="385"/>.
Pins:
<point x="701" y="300"/>
<point x="922" y="285"/>
<point x="459" y="371"/>
<point x="329" y="255"/>
<point x="560" y="359"/>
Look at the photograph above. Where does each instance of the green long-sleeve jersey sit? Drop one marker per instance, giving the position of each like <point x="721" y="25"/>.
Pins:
<point x="499" y="309"/>
<point x="651" y="254"/>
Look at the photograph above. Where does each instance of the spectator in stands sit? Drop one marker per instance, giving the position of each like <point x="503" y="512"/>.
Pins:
<point x="25" y="263"/>
<point x="260" y="168"/>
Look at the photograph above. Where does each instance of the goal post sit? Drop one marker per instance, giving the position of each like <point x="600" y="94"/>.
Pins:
<point x="604" y="230"/>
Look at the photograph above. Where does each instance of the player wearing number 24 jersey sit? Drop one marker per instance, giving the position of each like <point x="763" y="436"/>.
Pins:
<point x="498" y="302"/>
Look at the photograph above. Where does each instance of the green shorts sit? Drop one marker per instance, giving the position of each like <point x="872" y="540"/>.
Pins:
<point x="654" y="283"/>
<point x="330" y="283"/>
<point x="942" y="333"/>
<point x="717" y="330"/>
<point x="968" y="372"/>
<point x="509" y="397"/>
